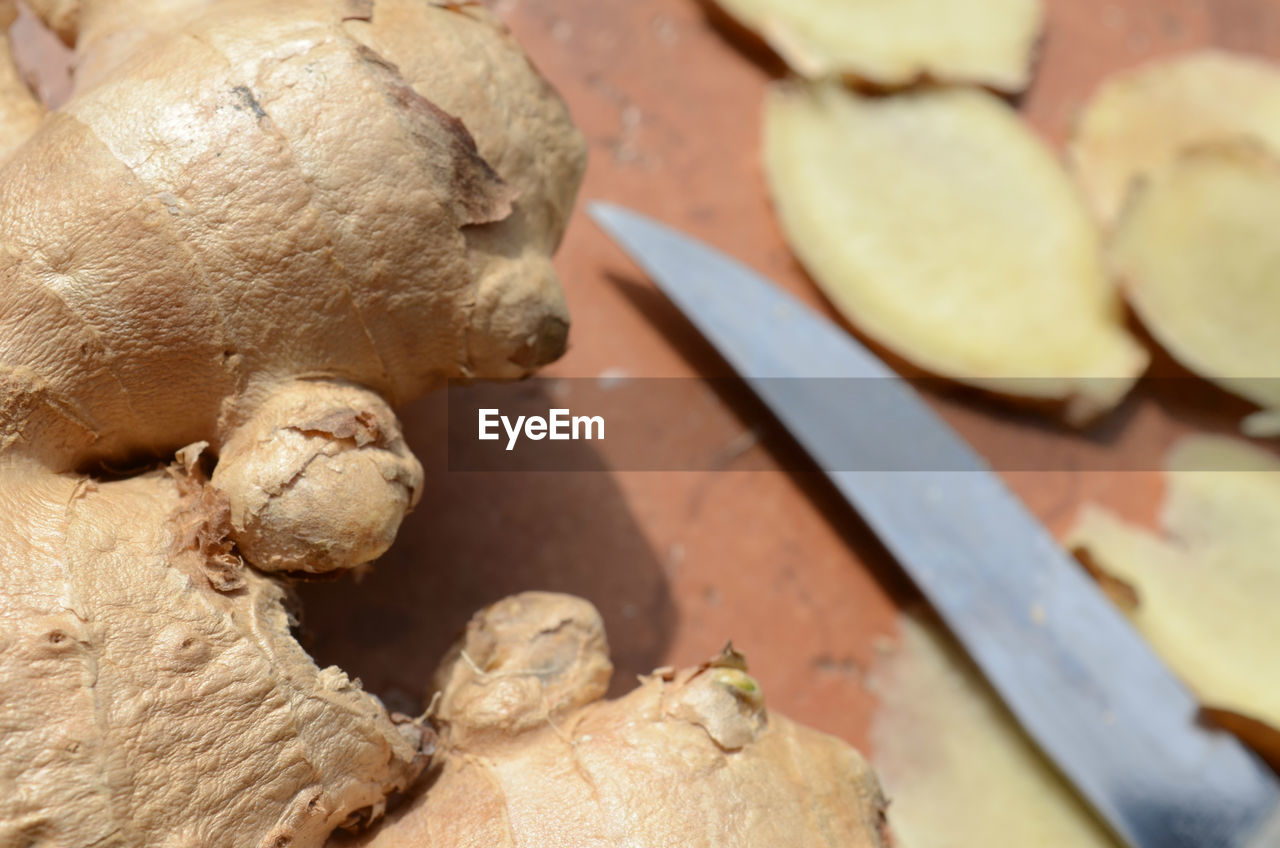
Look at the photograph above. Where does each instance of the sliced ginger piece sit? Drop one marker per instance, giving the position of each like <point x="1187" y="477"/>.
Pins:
<point x="957" y="768"/>
<point x="1139" y="120"/>
<point x="1205" y="586"/>
<point x="1199" y="261"/>
<point x="893" y="43"/>
<point x="946" y="232"/>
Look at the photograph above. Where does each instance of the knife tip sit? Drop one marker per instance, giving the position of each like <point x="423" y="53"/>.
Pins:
<point x="604" y="214"/>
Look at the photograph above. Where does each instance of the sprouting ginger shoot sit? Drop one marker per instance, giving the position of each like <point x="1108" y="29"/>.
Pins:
<point x="530" y="756"/>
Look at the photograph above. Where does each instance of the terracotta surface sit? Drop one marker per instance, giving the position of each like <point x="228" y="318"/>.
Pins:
<point x="679" y="562"/>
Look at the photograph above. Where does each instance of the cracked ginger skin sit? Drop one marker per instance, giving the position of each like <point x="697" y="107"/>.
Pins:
<point x="254" y="230"/>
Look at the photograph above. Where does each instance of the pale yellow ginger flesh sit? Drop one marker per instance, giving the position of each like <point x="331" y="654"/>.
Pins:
<point x="894" y="43"/>
<point x="946" y="232"/>
<point x="531" y="757"/>
<point x="253" y="230"/>
<point x="1141" y="119"/>
<point x="1197" y="255"/>
<point x="1203" y="589"/>
<point x="958" y="770"/>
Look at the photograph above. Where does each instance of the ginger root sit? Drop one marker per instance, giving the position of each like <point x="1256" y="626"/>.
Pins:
<point x="530" y="756"/>
<point x="253" y="230"/>
<point x="143" y="705"/>
<point x="268" y="199"/>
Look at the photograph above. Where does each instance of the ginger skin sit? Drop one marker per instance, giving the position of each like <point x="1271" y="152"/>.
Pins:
<point x="253" y="231"/>
<point x="267" y="194"/>
<point x="529" y="755"/>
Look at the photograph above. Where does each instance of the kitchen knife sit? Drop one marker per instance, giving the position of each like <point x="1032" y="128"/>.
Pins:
<point x="1077" y="676"/>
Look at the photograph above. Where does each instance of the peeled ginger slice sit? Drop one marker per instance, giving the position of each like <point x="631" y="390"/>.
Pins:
<point x="946" y="232"/>
<point x="1204" y="588"/>
<point x="1139" y="120"/>
<point x="1199" y="260"/>
<point x="958" y="770"/>
<point x="893" y="43"/>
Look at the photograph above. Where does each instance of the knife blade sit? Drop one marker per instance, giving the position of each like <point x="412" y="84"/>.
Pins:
<point x="1078" y="678"/>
